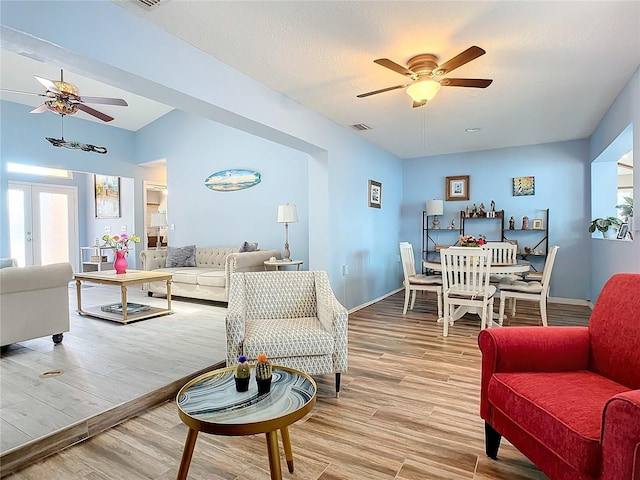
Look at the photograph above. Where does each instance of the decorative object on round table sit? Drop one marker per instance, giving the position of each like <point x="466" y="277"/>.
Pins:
<point x="120" y="263"/>
<point x="263" y="374"/>
<point x="243" y="374"/>
<point x="471" y="241"/>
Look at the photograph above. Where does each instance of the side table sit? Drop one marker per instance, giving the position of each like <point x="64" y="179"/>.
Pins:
<point x="276" y="264"/>
<point x="210" y="403"/>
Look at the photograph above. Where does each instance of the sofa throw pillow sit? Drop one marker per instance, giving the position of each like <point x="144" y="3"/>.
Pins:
<point x="181" y="256"/>
<point x="248" y="247"/>
<point x="6" y="262"/>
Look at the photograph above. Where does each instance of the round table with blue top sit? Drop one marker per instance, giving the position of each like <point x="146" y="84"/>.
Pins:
<point x="210" y="403"/>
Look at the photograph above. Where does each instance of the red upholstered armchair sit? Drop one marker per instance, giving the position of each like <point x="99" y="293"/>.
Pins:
<point x="569" y="397"/>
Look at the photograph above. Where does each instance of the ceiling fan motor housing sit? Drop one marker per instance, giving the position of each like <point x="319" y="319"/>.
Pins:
<point x="423" y="64"/>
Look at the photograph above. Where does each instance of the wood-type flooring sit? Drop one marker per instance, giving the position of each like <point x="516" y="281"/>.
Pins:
<point x="408" y="410"/>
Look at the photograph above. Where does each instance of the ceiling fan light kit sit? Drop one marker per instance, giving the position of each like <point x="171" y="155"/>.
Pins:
<point x="423" y="90"/>
<point x="422" y="70"/>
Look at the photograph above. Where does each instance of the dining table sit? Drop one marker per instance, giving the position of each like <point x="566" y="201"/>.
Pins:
<point x="518" y="268"/>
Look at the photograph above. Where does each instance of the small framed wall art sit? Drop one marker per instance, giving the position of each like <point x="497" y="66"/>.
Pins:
<point x="107" y="194"/>
<point x="375" y="194"/>
<point x="537" y="224"/>
<point x="524" y="186"/>
<point x="457" y="188"/>
<point x="623" y="232"/>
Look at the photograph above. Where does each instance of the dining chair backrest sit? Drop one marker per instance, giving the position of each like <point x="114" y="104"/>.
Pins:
<point x="548" y="267"/>
<point x="408" y="260"/>
<point x="465" y="269"/>
<point x="503" y="253"/>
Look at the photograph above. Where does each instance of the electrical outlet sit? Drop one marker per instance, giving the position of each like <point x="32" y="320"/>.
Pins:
<point x="173" y="226"/>
<point x="107" y="229"/>
<point x="123" y="228"/>
<point x="345" y="269"/>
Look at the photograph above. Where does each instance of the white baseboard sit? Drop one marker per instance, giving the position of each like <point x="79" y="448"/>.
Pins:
<point x="571" y="301"/>
<point x="359" y="307"/>
<point x="565" y="301"/>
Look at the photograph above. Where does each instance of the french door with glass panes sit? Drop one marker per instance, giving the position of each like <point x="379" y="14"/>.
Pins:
<point x="43" y="223"/>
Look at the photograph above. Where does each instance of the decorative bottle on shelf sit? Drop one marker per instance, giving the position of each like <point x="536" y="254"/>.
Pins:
<point x="263" y="374"/>
<point x="243" y="374"/>
<point x="120" y="263"/>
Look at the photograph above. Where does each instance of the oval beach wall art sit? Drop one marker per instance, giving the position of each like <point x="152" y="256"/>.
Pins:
<point x="231" y="180"/>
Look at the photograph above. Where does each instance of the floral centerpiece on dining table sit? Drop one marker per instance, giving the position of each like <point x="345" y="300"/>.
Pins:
<point x="471" y="241"/>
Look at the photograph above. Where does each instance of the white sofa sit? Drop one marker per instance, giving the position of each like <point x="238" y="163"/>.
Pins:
<point x="209" y="279"/>
<point x="34" y="302"/>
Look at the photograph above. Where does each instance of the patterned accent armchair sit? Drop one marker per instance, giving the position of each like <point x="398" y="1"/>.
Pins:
<point x="292" y="317"/>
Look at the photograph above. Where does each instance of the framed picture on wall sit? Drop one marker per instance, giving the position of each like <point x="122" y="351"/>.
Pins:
<point x="107" y="194"/>
<point x="524" y="186"/>
<point x="457" y="188"/>
<point x="624" y="230"/>
<point x="375" y="194"/>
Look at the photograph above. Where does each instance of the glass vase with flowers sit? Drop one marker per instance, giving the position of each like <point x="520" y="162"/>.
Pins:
<point x="121" y="245"/>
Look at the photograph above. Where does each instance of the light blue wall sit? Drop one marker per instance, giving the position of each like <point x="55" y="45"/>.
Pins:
<point x="194" y="148"/>
<point x="611" y="256"/>
<point x="561" y="172"/>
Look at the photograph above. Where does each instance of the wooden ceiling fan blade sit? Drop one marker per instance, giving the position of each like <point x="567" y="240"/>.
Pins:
<point x="362" y="95"/>
<point x="385" y="62"/>
<point x="419" y="104"/>
<point x="48" y="84"/>
<point x="469" y="54"/>
<point x="41" y="109"/>
<point x="92" y="111"/>
<point x="465" y="82"/>
<point x="105" y="101"/>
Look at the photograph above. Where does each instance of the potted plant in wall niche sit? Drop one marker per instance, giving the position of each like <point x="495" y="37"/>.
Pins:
<point x="608" y="226"/>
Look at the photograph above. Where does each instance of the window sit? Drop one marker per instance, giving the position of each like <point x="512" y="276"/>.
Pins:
<point x="36" y="170"/>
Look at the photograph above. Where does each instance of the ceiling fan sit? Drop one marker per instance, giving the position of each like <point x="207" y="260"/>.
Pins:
<point x="423" y="70"/>
<point x="64" y="99"/>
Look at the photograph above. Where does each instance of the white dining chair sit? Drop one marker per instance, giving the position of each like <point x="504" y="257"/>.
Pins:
<point x="502" y="253"/>
<point x="414" y="282"/>
<point x="465" y="283"/>
<point x="535" y="291"/>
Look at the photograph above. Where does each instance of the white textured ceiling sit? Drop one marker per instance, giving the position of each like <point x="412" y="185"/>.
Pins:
<point x="556" y="66"/>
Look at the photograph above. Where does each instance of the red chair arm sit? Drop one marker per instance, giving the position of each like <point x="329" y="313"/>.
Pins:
<point x="530" y="349"/>
<point x="621" y="437"/>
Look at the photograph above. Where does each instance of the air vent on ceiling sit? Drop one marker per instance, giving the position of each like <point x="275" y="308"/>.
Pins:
<point x="148" y="3"/>
<point x="361" y="126"/>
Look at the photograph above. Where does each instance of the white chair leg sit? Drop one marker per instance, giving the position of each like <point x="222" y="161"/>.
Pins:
<point x="439" y="293"/>
<point x="407" y="292"/>
<point x="483" y="318"/>
<point x="513" y="307"/>
<point x="543" y="309"/>
<point x="446" y="319"/>
<point x="490" y="314"/>
<point x="413" y="299"/>
<point x="501" y="310"/>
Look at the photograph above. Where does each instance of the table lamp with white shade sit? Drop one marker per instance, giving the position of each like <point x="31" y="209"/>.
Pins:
<point x="159" y="220"/>
<point x="287" y="214"/>
<point x="435" y="208"/>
